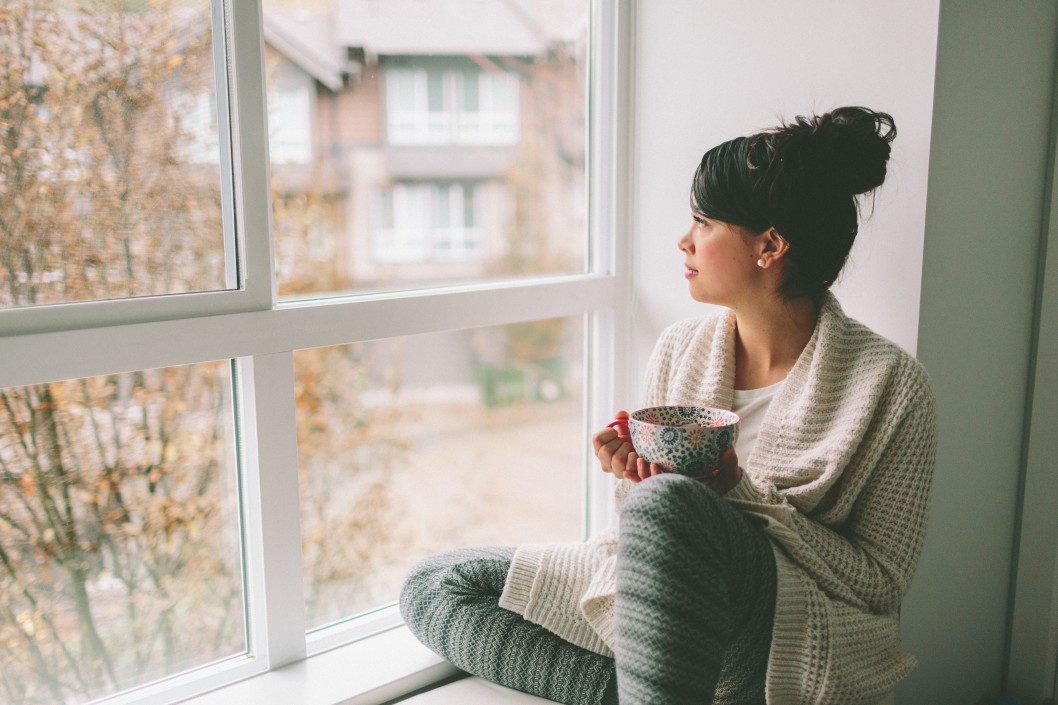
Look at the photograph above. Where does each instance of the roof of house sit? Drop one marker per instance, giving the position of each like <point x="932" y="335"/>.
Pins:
<point x="431" y="27"/>
<point x="307" y="39"/>
<point x="316" y="40"/>
<point x="510" y="28"/>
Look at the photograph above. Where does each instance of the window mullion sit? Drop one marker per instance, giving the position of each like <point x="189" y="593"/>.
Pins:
<point x="610" y="237"/>
<point x="272" y="522"/>
<point x="249" y="149"/>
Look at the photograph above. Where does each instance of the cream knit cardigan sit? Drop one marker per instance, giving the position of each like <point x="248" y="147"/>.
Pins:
<point x="839" y="479"/>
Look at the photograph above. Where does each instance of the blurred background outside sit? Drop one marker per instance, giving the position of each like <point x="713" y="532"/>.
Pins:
<point x="413" y="143"/>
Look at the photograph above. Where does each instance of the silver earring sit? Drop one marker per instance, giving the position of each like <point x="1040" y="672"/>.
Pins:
<point x="760" y="262"/>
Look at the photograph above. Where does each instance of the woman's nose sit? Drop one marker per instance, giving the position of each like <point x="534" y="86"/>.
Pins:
<point x="684" y="243"/>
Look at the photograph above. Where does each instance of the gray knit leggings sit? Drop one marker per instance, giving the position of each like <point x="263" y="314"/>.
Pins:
<point x="694" y="610"/>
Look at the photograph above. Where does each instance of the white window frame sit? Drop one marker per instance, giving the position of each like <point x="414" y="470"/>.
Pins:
<point x="371" y="659"/>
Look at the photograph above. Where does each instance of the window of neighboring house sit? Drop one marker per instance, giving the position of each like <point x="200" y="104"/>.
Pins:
<point x="428" y="222"/>
<point x="452" y="106"/>
<point x="289" y="123"/>
<point x="197" y="114"/>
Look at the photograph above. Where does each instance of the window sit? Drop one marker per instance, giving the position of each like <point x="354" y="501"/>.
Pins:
<point x="119" y="533"/>
<point x="102" y="198"/>
<point x="438" y="418"/>
<point x="209" y="461"/>
<point x="197" y="116"/>
<point x="451" y="106"/>
<point x="429" y="223"/>
<point x="291" y="140"/>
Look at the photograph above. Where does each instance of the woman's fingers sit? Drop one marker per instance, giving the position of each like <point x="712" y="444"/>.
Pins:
<point x="726" y="474"/>
<point x="607" y="444"/>
<point x="646" y="469"/>
<point x="603" y="437"/>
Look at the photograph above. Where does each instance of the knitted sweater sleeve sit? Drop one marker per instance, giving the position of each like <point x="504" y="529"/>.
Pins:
<point x="866" y="558"/>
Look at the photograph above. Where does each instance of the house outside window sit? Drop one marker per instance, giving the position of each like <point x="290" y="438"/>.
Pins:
<point x="431" y="105"/>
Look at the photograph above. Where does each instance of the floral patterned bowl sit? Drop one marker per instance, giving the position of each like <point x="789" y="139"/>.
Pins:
<point x="685" y="439"/>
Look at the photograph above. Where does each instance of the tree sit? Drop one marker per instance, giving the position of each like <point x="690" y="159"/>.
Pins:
<point x="94" y="194"/>
<point x="111" y="488"/>
<point x="119" y="535"/>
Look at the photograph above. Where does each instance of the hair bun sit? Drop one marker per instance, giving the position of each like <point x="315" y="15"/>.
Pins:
<point x="845" y="150"/>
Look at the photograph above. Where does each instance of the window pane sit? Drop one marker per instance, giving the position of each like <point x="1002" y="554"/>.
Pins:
<point x="109" y="161"/>
<point x="491" y="93"/>
<point x="435" y="91"/>
<point x="444" y="206"/>
<point x="289" y="140"/>
<point x="119" y="532"/>
<point x="412" y="446"/>
<point x="470" y="91"/>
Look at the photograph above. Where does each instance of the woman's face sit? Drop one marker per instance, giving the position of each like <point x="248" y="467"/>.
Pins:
<point x="719" y="261"/>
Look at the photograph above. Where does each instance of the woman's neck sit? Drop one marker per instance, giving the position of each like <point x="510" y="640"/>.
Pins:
<point x="769" y="337"/>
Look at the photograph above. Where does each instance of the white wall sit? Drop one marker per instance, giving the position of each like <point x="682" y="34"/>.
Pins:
<point x="710" y="71"/>
<point x="990" y="151"/>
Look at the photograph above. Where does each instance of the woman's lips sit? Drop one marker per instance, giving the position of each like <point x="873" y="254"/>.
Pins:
<point x="688" y="272"/>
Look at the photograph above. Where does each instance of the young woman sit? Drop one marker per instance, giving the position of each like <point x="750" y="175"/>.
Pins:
<point x="779" y="579"/>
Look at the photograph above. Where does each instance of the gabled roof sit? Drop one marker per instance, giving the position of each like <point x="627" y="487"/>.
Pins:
<point x="316" y="40"/>
<point x="457" y="27"/>
<point x="307" y="39"/>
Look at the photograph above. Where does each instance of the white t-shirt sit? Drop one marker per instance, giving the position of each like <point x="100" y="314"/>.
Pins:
<point x="751" y="405"/>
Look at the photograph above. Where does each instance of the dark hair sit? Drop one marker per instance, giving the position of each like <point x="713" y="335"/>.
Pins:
<point x="801" y="178"/>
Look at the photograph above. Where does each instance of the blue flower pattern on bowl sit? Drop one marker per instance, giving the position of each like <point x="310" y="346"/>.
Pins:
<point x="684" y="439"/>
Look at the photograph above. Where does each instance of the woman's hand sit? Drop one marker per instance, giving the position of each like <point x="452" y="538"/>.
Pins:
<point x="726" y="475"/>
<point x="613" y="448"/>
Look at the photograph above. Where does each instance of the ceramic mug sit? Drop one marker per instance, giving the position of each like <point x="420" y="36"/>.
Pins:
<point x="688" y="440"/>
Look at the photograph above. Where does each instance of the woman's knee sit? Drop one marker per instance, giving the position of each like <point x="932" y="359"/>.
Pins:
<point x="668" y="498"/>
<point x="469" y="572"/>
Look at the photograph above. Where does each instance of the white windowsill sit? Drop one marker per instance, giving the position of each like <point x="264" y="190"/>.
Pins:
<point x="371" y="671"/>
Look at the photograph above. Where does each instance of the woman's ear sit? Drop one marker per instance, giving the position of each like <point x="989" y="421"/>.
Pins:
<point x="773" y="246"/>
